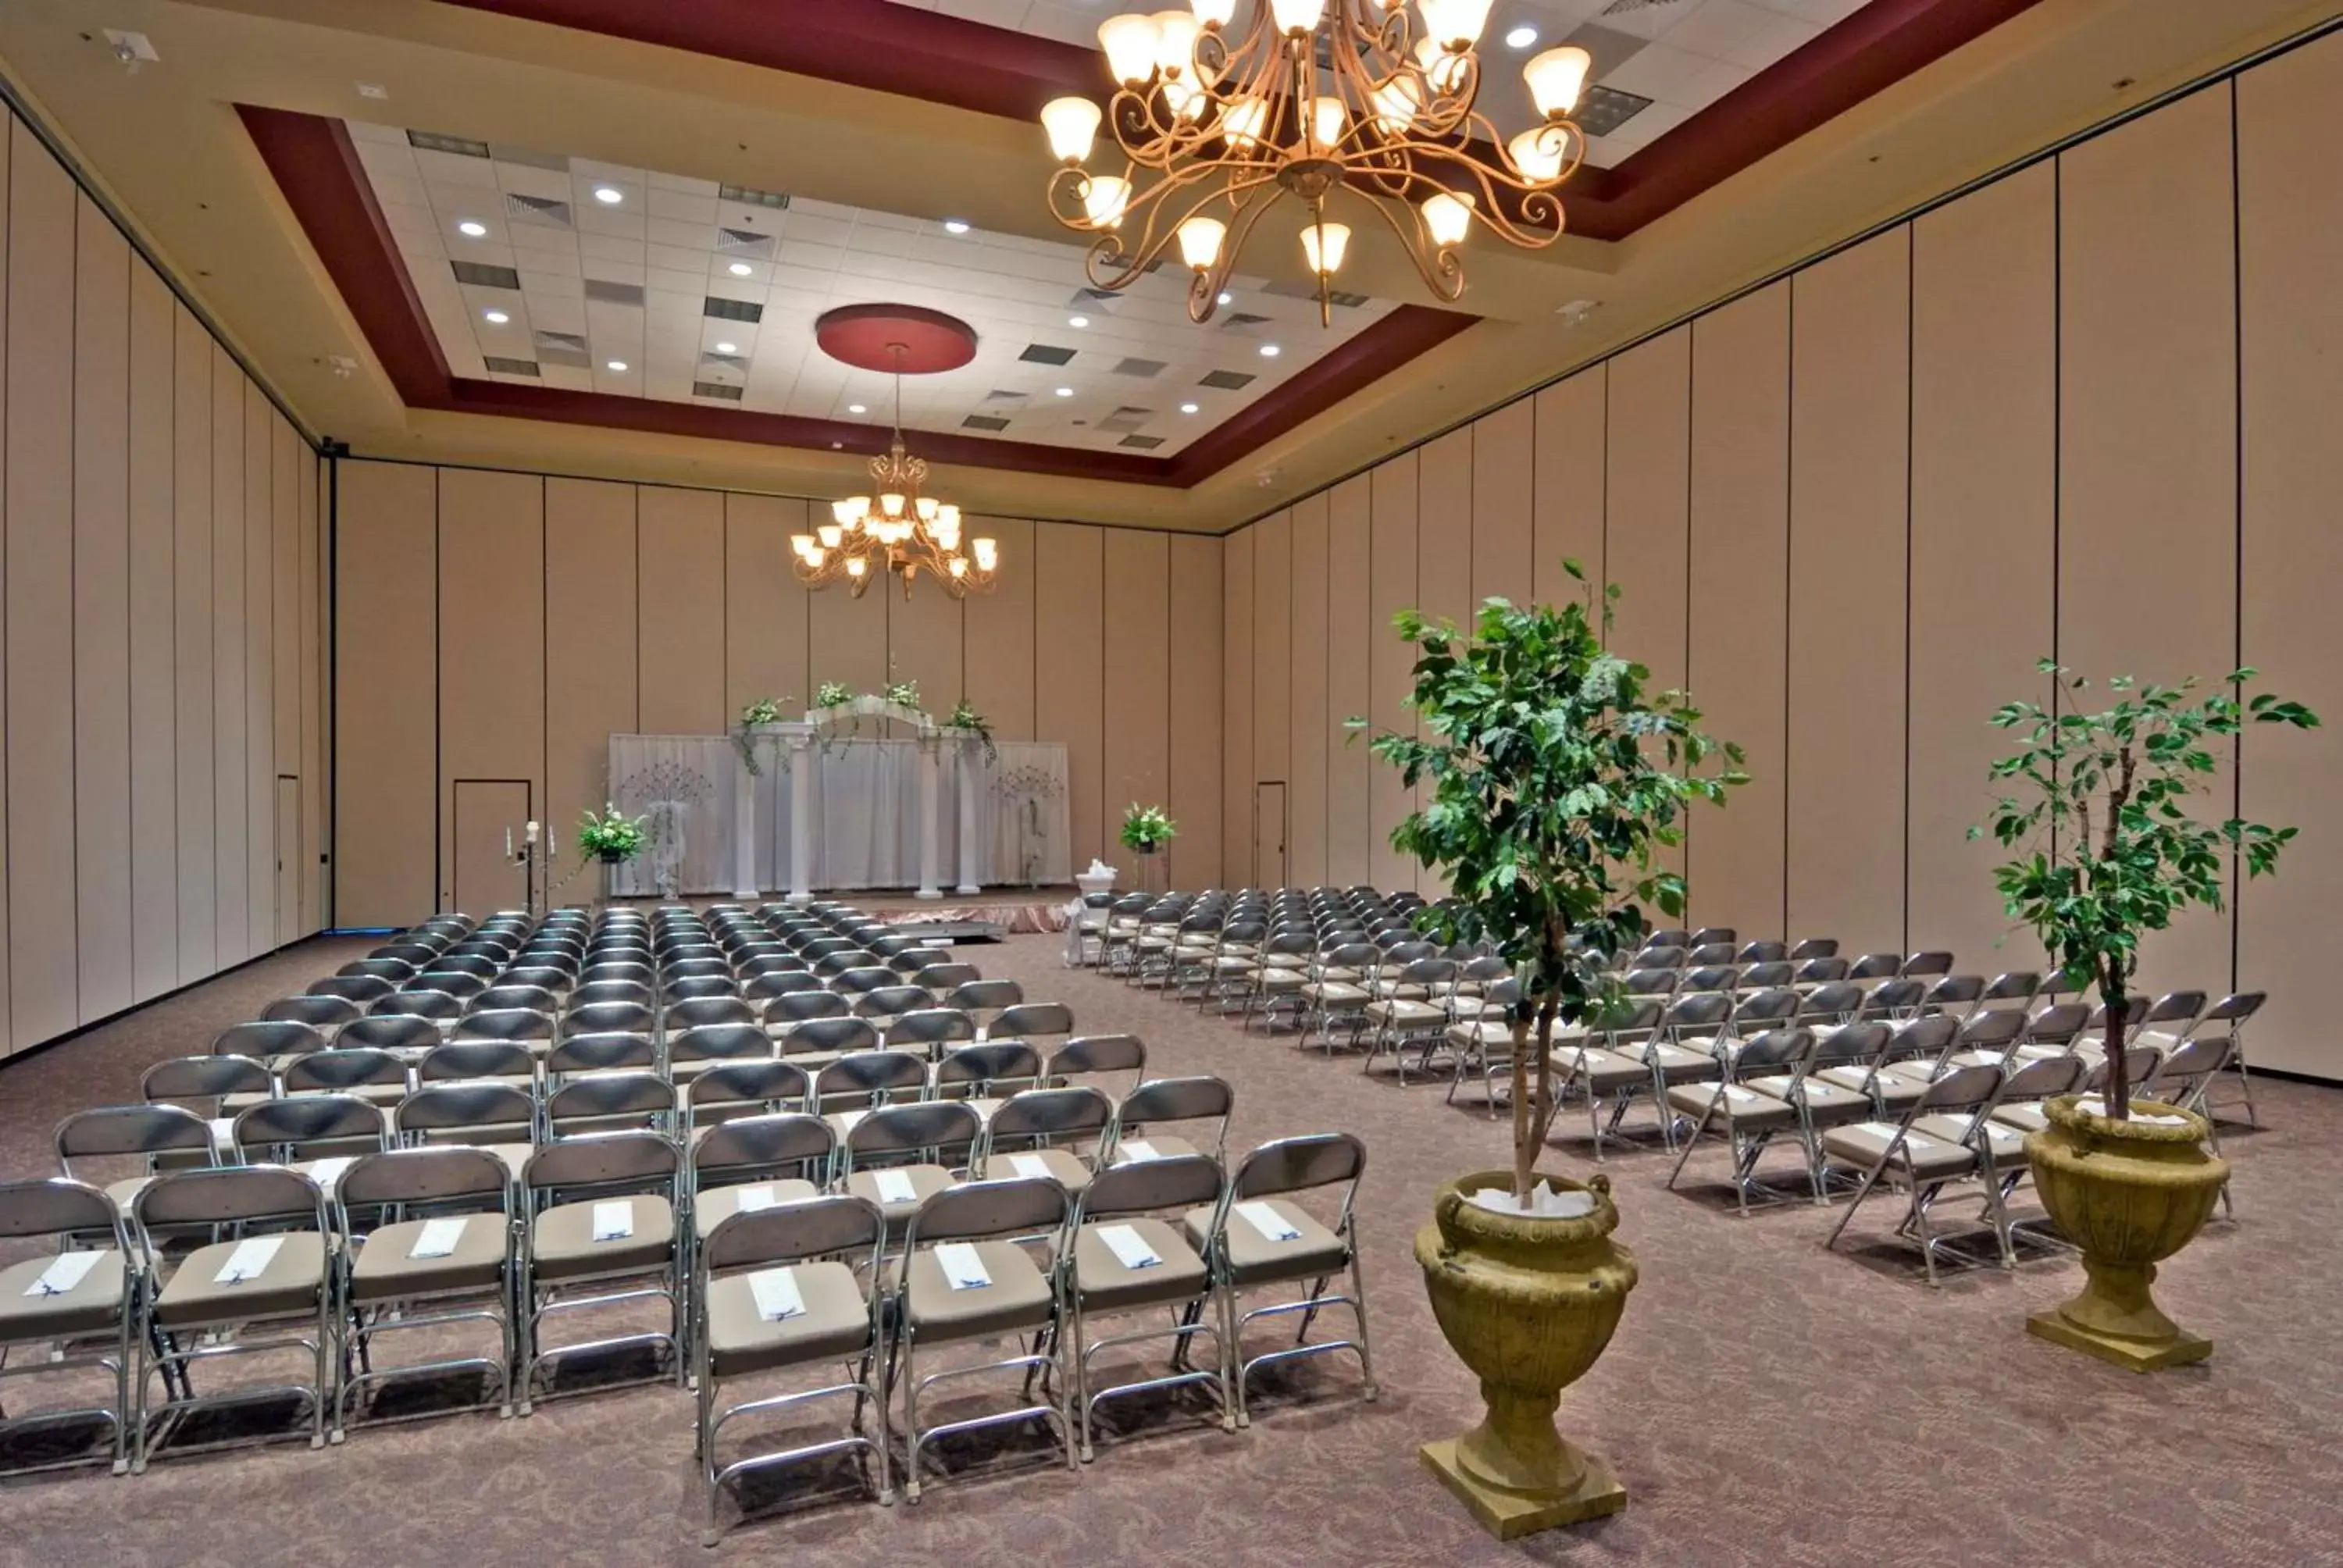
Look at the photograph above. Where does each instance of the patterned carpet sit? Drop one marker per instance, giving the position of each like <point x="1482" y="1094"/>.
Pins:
<point x="1766" y="1402"/>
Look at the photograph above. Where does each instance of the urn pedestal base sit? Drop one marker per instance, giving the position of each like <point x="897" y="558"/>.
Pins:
<point x="1508" y="1514"/>
<point x="2137" y="1356"/>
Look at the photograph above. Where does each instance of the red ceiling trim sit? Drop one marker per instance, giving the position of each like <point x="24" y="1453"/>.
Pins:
<point x="893" y="48"/>
<point x="316" y="167"/>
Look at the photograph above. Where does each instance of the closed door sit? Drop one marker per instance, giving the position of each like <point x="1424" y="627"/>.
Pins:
<point x="289" y="859"/>
<point x="489" y="813"/>
<point x="1269" y="834"/>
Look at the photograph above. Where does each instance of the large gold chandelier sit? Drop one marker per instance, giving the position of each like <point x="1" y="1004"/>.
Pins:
<point x="1320" y="100"/>
<point x="906" y="533"/>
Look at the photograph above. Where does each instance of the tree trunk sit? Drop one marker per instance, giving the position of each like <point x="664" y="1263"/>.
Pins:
<point x="2118" y="1090"/>
<point x="1525" y="1146"/>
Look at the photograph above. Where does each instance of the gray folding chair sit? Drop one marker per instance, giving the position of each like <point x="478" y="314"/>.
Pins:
<point x="1170" y="1102"/>
<point x="1090" y="1054"/>
<point x="71" y="1309"/>
<point x="754" y="1162"/>
<point x="981" y="1073"/>
<point x="401" y="1034"/>
<point x="900" y="1156"/>
<point x="728" y="1090"/>
<point x="601" y="1209"/>
<point x="1920" y="1164"/>
<point x="825" y="1038"/>
<point x="275" y="1041"/>
<point x="929" y="1030"/>
<point x="1041" y="1131"/>
<point x="319" y="1135"/>
<point x="155" y="1136"/>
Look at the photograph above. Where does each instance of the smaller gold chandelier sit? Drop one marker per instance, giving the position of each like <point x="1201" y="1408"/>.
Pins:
<point x="899" y="530"/>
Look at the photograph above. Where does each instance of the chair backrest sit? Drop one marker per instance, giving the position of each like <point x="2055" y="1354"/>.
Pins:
<point x="923" y="1124"/>
<point x="1705" y="954"/>
<point x="2172" y="1007"/>
<point x="1089" y="1053"/>
<point x="1953" y="991"/>
<point x="773" y="984"/>
<point x="392" y="970"/>
<point x="1820" y="970"/>
<point x="982" y="1066"/>
<point x="430" y="1004"/>
<point x="452" y="1107"/>
<point x="391" y="1031"/>
<point x="1851" y="1044"/>
<point x="1697" y="1010"/>
<point x="888" y="1000"/>
<point x="930" y="1026"/>
<point x="600" y="1052"/>
<point x="2190" y="1065"/>
<point x="204" y="1078"/>
<point x="345" y="1067"/>
<point x="226" y="1194"/>
<point x="1931" y="1036"/>
<point x="2044" y="1079"/>
<point x="759" y="1082"/>
<point x="797" y="1006"/>
<point x="1993" y="1029"/>
<point x="591" y="991"/>
<point x="525" y="998"/>
<point x="2140" y="1062"/>
<point x="986" y="996"/>
<point x="1178" y="1181"/>
<point x="57" y="1206"/>
<point x="1174" y="1100"/>
<point x="1710" y="977"/>
<point x="694" y="1012"/>
<point x="2057" y="1024"/>
<point x="609" y="1017"/>
<point x="830" y="1034"/>
<point x="791" y="1232"/>
<point x="1761" y="953"/>
<point x="505" y="1023"/>
<point x="602" y="1094"/>
<point x="1929" y="961"/>
<point x="872" y="1075"/>
<point x="763" y="1143"/>
<point x="1051" y="1115"/>
<point x="1877" y="966"/>
<point x="1963" y="1089"/>
<point x="1766" y="1007"/>
<point x="719" y="1042"/>
<point x="942" y="977"/>
<point x="689" y="987"/>
<point x="1031" y="1019"/>
<point x="449" y="1174"/>
<point x="463" y="1059"/>
<point x="1768" y="975"/>
<point x="974" y="1210"/>
<point x="2012" y="985"/>
<point x="318" y="1012"/>
<point x="112" y="1129"/>
<point x="1298" y="1164"/>
<point x="2233" y="1010"/>
<point x="278" y="1128"/>
<point x="1814" y="948"/>
<point x="1650" y="981"/>
<point x="261" y="1041"/>
<point x="1657" y="957"/>
<point x="1900" y="995"/>
<point x="461" y="984"/>
<point x="352" y="988"/>
<point x="605" y="1160"/>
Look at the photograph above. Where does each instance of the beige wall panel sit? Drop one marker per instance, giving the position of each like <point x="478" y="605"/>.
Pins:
<point x="231" y="774"/>
<point x="2290" y="211"/>
<point x="1195" y="725"/>
<point x="2148" y="408"/>
<point x="1273" y="650"/>
<point x="386" y="617"/>
<point x="1305" y="763"/>
<point x="153" y="702"/>
<point x="315" y="903"/>
<point x="1985" y="434"/>
<point x="1738" y="620"/>
<point x="42" y="977"/>
<point x="847" y="637"/>
<point x="1504" y="475"/>
<point x="589" y="645"/>
<point x="192" y="635"/>
<point x="1645" y="540"/>
<point x="765" y="605"/>
<point x="284" y="681"/>
<point x="101" y="611"/>
<point x="8" y="1043"/>
<point x="492" y="674"/>
<point x="1848" y="487"/>
<point x="1137" y="632"/>
<point x="1567" y="503"/>
<point x="1349" y="539"/>
<point x="1443" y="559"/>
<point x="1236" y="706"/>
<point x="679" y="626"/>
<point x="1391" y="588"/>
<point x="1070" y="693"/>
<point x="998" y="630"/>
<point x="259" y="672"/>
<point x="924" y="640"/>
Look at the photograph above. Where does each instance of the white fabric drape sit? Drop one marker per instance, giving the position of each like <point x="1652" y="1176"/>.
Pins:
<point x="866" y="792"/>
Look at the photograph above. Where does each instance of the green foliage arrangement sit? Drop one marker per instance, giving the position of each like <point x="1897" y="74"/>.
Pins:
<point x="964" y="715"/>
<point x="2109" y="847"/>
<point x="610" y="835"/>
<point x="764" y="710"/>
<point x="1147" y="828"/>
<point x="902" y="694"/>
<point x="1554" y="778"/>
<point x="832" y="694"/>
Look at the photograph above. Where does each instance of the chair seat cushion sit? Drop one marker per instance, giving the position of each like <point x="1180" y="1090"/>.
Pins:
<point x="2009" y="1142"/>
<point x="1018" y="1298"/>
<point x="1162" y="1145"/>
<point x="1820" y="1094"/>
<point x="1933" y="1158"/>
<point x="927" y="1180"/>
<point x="1604" y="1071"/>
<point x="714" y="1205"/>
<point x="1107" y="1285"/>
<point x="1406" y="1014"/>
<point x="290" y="1283"/>
<point x="92" y="1306"/>
<point x="1330" y="991"/>
<point x="1678" y="1063"/>
<point x="1254" y="1258"/>
<point x="1279" y="979"/>
<point x="1060" y="1165"/>
<point x="836" y="1322"/>
<point x="1741" y="1105"/>
<point x="563" y="1246"/>
<point x="385" y="1270"/>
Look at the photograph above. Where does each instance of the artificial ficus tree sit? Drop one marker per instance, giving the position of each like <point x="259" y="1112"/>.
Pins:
<point x="1554" y="776"/>
<point x="2109" y="848"/>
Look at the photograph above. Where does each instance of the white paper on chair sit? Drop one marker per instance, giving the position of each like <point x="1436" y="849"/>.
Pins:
<point x="752" y="1198"/>
<point x="1029" y="1165"/>
<point x="962" y="1267"/>
<point x="1272" y="1225"/>
<point x="894" y="1186"/>
<point x="776" y="1294"/>
<point x="249" y="1260"/>
<point x="1136" y="1151"/>
<point x="614" y="1221"/>
<point x="1129" y="1247"/>
<point x="325" y="1172"/>
<point x="67" y="1271"/>
<point x="437" y="1238"/>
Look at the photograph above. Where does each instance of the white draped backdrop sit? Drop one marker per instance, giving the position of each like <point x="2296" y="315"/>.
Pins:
<point x="866" y="797"/>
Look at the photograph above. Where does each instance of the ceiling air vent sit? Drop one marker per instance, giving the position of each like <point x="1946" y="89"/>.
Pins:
<point x="1604" y="109"/>
<point x="509" y="367"/>
<point x="1242" y="321"/>
<point x="983" y="422"/>
<point x="1011" y="399"/>
<point x="1227" y="380"/>
<point x="565" y="348"/>
<point x="538" y="209"/>
<point x="1126" y="419"/>
<point x="602" y="291"/>
<point x="1138" y="367"/>
<point x="716" y="390"/>
<point x="1044" y="354"/>
<point x="731" y="309"/>
<point x="1144" y="442"/>
<point x="735" y="364"/>
<point x="433" y="142"/>
<point x="480" y="277"/>
<point x="750" y="198"/>
<point x="744" y="242"/>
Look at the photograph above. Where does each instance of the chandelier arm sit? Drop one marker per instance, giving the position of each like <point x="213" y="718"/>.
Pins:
<point x="1113" y="261"/>
<point x="1204" y="289"/>
<point x="1438" y="266"/>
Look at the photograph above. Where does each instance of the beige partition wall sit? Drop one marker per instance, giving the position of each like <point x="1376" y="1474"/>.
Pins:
<point x="555" y="612"/>
<point x="1237" y="684"/>
<point x="2087" y="409"/>
<point x="1305" y="763"/>
<point x="150" y="500"/>
<point x="1268" y="813"/>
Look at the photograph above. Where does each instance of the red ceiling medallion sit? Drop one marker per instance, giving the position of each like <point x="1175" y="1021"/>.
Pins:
<point x="908" y="339"/>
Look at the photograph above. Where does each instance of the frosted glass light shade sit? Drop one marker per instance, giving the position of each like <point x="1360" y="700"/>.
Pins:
<point x="1540" y="151"/>
<point x="1130" y="45"/>
<point x="1175" y="40"/>
<point x="1213" y="13"/>
<point x="800" y="544"/>
<point x="1296" y="16"/>
<point x="1396" y="106"/>
<point x="1448" y="217"/>
<point x="1442" y="71"/>
<point x="1323" y="244"/>
<point x="832" y="535"/>
<point x="958" y="567"/>
<point x="891" y="504"/>
<point x="926" y="508"/>
<point x="1072" y="124"/>
<point x="1327" y="118"/>
<point x="1244" y="122"/>
<point x="1104" y="196"/>
<point x="854" y="567"/>
<point x="988" y="554"/>
<point x="1556" y="78"/>
<point x="1455" y="24"/>
<point x="1199" y="241"/>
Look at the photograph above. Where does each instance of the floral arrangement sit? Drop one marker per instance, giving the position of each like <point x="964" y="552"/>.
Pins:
<point x="764" y="710"/>
<point x="610" y="835"/>
<point x="964" y="715"/>
<point x="832" y="694"/>
<point x="1147" y="828"/>
<point x="902" y="694"/>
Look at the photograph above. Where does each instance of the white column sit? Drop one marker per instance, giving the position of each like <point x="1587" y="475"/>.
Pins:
<point x="801" y="817"/>
<point x="930" y="849"/>
<point x="744" y="820"/>
<point x="969" y="776"/>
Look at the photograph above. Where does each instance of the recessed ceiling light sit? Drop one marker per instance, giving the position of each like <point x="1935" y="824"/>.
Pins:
<point x="495" y="317"/>
<point x="1520" y="37"/>
<point x="856" y="408"/>
<point x="1227" y="298"/>
<point x="1078" y="321"/>
<point x="1187" y="407"/>
<point x="1065" y="391"/>
<point x="1269" y="351"/>
<point x="608" y="196"/>
<point x="372" y="90"/>
<point x="471" y="228"/>
<point x="740" y="269"/>
<point x="955" y="225"/>
<point x="618" y="364"/>
<point x="728" y="348"/>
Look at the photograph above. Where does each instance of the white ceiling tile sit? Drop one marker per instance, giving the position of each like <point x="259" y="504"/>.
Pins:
<point x="683" y="206"/>
<point x="454" y="169"/>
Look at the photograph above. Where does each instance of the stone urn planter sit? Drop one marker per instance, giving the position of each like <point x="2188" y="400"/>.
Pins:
<point x="1528" y="1303"/>
<point x="2128" y="1194"/>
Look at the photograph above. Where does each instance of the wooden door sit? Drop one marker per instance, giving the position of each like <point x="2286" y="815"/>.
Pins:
<point x="289" y="859"/>
<point x="486" y="879"/>
<point x="1269" y="834"/>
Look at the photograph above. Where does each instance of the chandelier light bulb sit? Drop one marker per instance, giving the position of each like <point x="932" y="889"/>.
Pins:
<point x="1175" y="41"/>
<point x="1442" y="71"/>
<point x="855" y="567"/>
<point x="988" y="554"/>
<point x="1297" y="18"/>
<point x="1539" y="153"/>
<point x="814" y="558"/>
<point x="800" y="544"/>
<point x="1243" y="121"/>
<point x="832" y="536"/>
<point x="1199" y="241"/>
<point x="948" y="515"/>
<point x="1185" y="99"/>
<point x="891" y="504"/>
<point x="1323" y="244"/>
<point x="926" y="506"/>
<point x="1072" y="124"/>
<point x="1213" y="13"/>
<point x="1448" y="218"/>
<point x="1396" y="103"/>
<point x="1455" y="24"/>
<point x="1327" y="119"/>
<point x="1104" y="196"/>
<point x="959" y="566"/>
<point x="1556" y="78"/>
<point x="1129" y="43"/>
